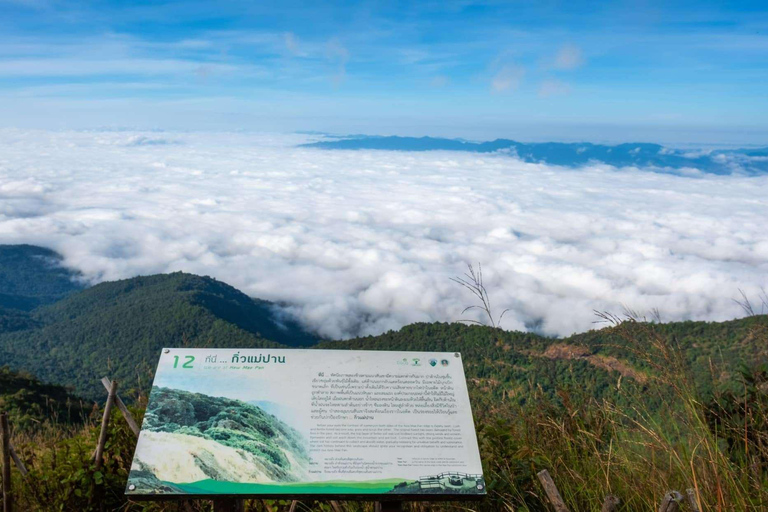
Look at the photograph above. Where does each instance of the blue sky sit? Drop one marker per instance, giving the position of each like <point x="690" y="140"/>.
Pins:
<point x="683" y="72"/>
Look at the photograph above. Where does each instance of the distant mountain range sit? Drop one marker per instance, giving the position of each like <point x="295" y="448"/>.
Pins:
<point x="651" y="156"/>
<point x="117" y="329"/>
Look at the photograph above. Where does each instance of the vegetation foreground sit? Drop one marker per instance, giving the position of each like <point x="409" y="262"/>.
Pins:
<point x="592" y="447"/>
<point x="634" y="409"/>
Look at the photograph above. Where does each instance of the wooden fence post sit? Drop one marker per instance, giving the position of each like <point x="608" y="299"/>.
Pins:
<point x="228" y="505"/>
<point x="98" y="492"/>
<point x="17" y="460"/>
<point x="551" y="489"/>
<point x="671" y="502"/>
<point x="611" y="504"/>
<point x="6" y="436"/>
<point x="693" y="500"/>
<point x="105" y="425"/>
<point x="123" y="409"/>
<point x="389" y="506"/>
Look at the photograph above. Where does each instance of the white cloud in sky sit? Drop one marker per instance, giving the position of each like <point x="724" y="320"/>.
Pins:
<point x="361" y="242"/>
<point x="549" y="88"/>
<point x="338" y="55"/>
<point x="568" y="57"/>
<point x="508" y="78"/>
<point x="292" y="44"/>
<point x="439" y="81"/>
<point x="96" y="66"/>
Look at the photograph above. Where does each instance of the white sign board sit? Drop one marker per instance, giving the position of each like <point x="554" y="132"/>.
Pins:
<point x="307" y="422"/>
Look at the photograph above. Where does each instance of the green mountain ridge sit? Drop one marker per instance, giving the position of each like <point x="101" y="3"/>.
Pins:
<point x="32" y="276"/>
<point x="118" y="328"/>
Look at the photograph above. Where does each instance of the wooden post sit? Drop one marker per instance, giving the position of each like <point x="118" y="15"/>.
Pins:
<point x="105" y="425"/>
<point x="671" y="502"/>
<point x="123" y="409"/>
<point x="389" y="506"/>
<point x="17" y="460"/>
<point x="693" y="500"/>
<point x="6" y="436"/>
<point x="228" y="505"/>
<point x="551" y="489"/>
<point x="611" y="504"/>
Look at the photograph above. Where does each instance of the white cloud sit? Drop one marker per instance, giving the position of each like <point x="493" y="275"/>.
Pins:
<point x="568" y="57"/>
<point x="292" y="44"/>
<point x="99" y="67"/>
<point x="508" y="78"/>
<point x="338" y="55"/>
<point x="361" y="242"/>
<point x="549" y="88"/>
<point x="439" y="81"/>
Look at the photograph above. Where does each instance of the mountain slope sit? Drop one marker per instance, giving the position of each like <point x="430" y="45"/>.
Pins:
<point x="31" y="276"/>
<point x="30" y="402"/>
<point x="512" y="366"/>
<point x="118" y="329"/>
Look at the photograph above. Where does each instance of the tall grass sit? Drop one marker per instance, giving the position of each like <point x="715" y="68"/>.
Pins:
<point x="718" y="447"/>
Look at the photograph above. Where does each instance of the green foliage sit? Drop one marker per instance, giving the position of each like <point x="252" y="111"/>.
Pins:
<point x="30" y="403"/>
<point x="118" y="329"/>
<point x="633" y="409"/>
<point x="31" y="276"/>
<point x="62" y="477"/>
<point x="16" y="320"/>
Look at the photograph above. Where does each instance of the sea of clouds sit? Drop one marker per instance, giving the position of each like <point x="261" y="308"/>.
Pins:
<point x="360" y="242"/>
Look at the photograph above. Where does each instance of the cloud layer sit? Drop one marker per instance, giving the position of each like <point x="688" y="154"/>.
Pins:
<point x="359" y="242"/>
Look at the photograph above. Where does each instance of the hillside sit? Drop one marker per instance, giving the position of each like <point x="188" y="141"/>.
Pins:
<point x="510" y="366"/>
<point x="118" y="329"/>
<point x="601" y="410"/>
<point x="31" y="276"/>
<point x="30" y="403"/>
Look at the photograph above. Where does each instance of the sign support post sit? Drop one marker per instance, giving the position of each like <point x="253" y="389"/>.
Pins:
<point x="389" y="506"/>
<point x="227" y="505"/>
<point x="6" y="434"/>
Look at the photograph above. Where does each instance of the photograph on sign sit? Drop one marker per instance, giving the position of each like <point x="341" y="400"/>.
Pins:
<point x="304" y="422"/>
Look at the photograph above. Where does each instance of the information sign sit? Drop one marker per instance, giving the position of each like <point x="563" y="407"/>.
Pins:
<point x="286" y="423"/>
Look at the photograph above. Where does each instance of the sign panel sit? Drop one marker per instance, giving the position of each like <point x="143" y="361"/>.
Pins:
<point x="307" y="422"/>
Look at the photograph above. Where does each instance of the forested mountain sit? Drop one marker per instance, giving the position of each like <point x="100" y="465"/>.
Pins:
<point x="118" y="328"/>
<point x="509" y="366"/>
<point x="31" y="276"/>
<point x="592" y="408"/>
